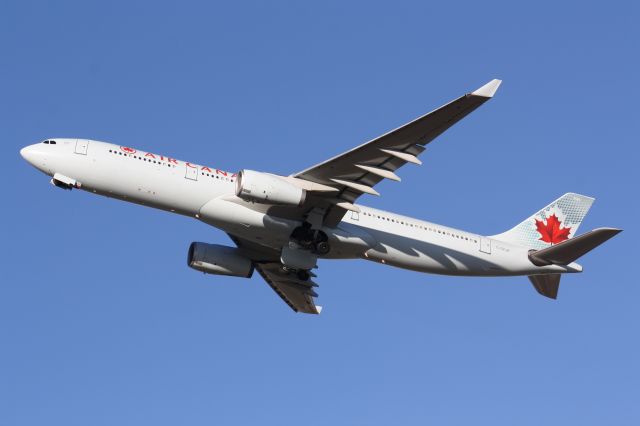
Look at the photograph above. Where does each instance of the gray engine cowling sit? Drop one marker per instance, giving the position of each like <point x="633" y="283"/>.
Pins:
<point x="219" y="260"/>
<point x="268" y="189"/>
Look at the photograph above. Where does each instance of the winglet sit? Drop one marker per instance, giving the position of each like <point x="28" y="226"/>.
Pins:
<point x="489" y="89"/>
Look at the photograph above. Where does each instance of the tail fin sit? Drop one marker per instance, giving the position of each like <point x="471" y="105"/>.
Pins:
<point x="553" y="224"/>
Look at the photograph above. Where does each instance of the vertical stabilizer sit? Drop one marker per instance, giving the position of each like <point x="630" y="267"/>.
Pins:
<point x="554" y="224"/>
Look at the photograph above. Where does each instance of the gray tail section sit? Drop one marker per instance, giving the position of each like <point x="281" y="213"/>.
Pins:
<point x="563" y="254"/>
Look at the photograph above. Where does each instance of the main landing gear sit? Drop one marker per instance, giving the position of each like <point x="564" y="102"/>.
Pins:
<point x="301" y="254"/>
<point x="311" y="239"/>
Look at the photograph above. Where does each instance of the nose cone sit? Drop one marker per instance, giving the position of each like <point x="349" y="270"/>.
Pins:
<point x="33" y="155"/>
<point x="27" y="154"/>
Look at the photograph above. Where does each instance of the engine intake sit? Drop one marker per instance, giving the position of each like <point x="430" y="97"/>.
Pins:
<point x="219" y="260"/>
<point x="268" y="189"/>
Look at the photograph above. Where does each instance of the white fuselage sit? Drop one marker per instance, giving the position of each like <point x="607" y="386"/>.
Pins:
<point x="208" y="194"/>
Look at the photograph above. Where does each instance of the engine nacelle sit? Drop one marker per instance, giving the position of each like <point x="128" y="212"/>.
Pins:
<point x="219" y="260"/>
<point x="268" y="189"/>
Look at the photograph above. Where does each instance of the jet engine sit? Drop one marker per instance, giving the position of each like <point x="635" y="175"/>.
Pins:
<point x="268" y="189"/>
<point x="219" y="260"/>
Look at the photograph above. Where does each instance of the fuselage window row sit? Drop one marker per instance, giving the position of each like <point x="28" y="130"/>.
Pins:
<point x="425" y="228"/>
<point x="148" y="160"/>
<point x="137" y="157"/>
<point x="216" y="176"/>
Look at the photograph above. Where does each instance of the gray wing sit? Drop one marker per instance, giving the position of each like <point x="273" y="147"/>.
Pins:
<point x="299" y="295"/>
<point x="296" y="293"/>
<point x="357" y="171"/>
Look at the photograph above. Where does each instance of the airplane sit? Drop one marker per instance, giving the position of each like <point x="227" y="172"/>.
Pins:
<point x="282" y="225"/>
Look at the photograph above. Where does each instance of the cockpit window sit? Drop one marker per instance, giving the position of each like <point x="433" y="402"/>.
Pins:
<point x="49" y="142"/>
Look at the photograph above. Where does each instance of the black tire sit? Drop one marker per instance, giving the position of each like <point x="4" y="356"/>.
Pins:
<point x="322" y="247"/>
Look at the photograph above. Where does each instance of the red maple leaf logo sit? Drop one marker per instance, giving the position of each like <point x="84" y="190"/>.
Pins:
<point x="551" y="232"/>
<point x="127" y="149"/>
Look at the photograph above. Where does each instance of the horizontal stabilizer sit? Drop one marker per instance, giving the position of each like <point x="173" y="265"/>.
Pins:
<point x="547" y="285"/>
<point x="570" y="250"/>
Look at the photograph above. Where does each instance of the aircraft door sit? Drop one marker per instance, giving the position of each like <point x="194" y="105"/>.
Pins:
<point x="191" y="172"/>
<point x="485" y="245"/>
<point x="82" y="145"/>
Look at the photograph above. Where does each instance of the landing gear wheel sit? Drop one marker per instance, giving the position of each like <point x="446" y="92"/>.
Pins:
<point x="303" y="275"/>
<point x="322" y="247"/>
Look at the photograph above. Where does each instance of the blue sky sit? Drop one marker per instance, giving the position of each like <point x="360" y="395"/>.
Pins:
<point x="101" y="321"/>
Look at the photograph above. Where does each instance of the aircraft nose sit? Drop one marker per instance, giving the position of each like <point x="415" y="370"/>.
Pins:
<point x="37" y="157"/>
<point x="26" y="153"/>
<point x="32" y="155"/>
